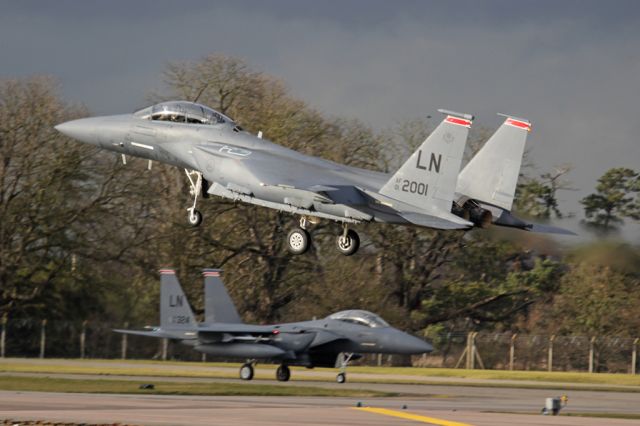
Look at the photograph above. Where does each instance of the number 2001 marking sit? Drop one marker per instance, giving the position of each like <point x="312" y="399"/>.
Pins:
<point x="414" y="187"/>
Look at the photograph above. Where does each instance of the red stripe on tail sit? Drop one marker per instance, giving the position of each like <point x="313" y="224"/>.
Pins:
<point x="458" y="121"/>
<point x="520" y="124"/>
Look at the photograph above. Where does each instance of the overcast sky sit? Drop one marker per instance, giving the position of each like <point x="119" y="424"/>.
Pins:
<point x="571" y="67"/>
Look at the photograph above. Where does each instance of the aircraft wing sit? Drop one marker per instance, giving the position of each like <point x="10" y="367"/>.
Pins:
<point x="159" y="333"/>
<point x="237" y="328"/>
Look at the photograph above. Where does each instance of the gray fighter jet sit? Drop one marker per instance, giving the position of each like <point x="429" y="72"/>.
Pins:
<point x="329" y="342"/>
<point x="219" y="158"/>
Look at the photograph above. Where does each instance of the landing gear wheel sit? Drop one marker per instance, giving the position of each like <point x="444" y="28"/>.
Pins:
<point x="246" y="372"/>
<point x="348" y="243"/>
<point x="341" y="377"/>
<point x="283" y="373"/>
<point x="195" y="218"/>
<point x="298" y="241"/>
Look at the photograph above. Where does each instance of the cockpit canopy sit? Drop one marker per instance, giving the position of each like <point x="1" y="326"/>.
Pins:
<point x="183" y="112"/>
<point x="360" y="317"/>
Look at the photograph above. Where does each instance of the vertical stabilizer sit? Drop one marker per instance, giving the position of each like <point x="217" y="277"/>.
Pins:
<point x="492" y="174"/>
<point x="427" y="180"/>
<point x="175" y="312"/>
<point x="218" y="306"/>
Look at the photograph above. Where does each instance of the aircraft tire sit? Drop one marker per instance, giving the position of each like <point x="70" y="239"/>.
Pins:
<point x="246" y="372"/>
<point x="298" y="241"/>
<point x="195" y="218"/>
<point x="283" y="374"/>
<point x="341" y="378"/>
<point x="348" y="245"/>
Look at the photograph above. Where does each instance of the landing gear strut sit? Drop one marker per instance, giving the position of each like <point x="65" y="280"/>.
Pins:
<point x="283" y="374"/>
<point x="344" y="361"/>
<point x="195" y="182"/>
<point x="299" y="239"/>
<point x="246" y="371"/>
<point x="348" y="241"/>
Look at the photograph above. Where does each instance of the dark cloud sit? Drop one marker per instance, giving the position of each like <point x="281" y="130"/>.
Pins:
<point x="572" y="67"/>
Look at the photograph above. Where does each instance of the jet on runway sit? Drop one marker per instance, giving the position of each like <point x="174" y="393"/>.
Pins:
<point x="329" y="342"/>
<point x="220" y="158"/>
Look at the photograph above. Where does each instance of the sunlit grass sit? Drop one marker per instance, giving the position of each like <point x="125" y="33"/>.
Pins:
<point x="356" y="374"/>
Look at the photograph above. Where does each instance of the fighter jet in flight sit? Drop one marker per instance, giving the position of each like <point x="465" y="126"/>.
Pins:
<point x="220" y="158"/>
<point x="329" y="342"/>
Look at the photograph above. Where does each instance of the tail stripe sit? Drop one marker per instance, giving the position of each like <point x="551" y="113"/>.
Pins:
<point x="520" y="124"/>
<point x="458" y="121"/>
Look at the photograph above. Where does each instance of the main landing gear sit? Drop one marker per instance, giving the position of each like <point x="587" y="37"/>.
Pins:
<point x="299" y="240"/>
<point x="283" y="374"/>
<point x="195" y="183"/>
<point x="246" y="371"/>
<point x="348" y="242"/>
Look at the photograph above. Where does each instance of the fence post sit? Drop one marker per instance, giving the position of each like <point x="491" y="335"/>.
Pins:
<point x="469" y="364"/>
<point x="204" y="357"/>
<point x="43" y="337"/>
<point x="165" y="345"/>
<point x="123" y="343"/>
<point x="83" y="338"/>
<point x="591" y="345"/>
<point x="512" y="351"/>
<point x="471" y="350"/>
<point x="550" y="356"/>
<point x="3" y="335"/>
<point x="634" y="356"/>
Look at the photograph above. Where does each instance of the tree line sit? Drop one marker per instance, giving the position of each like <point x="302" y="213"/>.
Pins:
<point x="82" y="236"/>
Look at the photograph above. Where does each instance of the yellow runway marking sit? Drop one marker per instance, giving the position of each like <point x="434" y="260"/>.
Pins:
<point x="409" y="416"/>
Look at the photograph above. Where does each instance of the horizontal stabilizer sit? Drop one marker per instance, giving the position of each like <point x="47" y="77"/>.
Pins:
<point x="443" y="221"/>
<point x="509" y="220"/>
<point x="548" y="229"/>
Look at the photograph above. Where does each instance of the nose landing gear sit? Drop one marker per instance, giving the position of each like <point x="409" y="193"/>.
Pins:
<point x="344" y="361"/>
<point x="195" y="183"/>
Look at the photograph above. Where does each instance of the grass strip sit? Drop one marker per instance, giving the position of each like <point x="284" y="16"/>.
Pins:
<point x="108" y="386"/>
<point x="400" y="375"/>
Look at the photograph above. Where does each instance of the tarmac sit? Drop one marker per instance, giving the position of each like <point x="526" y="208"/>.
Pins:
<point x="447" y="404"/>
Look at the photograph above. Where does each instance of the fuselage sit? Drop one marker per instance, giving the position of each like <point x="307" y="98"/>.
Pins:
<point x="239" y="165"/>
<point x="308" y="343"/>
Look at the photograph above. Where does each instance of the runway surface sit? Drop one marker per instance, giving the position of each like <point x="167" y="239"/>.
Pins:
<point x="264" y="411"/>
<point x="448" y="403"/>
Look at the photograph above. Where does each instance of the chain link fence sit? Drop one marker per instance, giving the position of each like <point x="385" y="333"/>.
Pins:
<point x="497" y="351"/>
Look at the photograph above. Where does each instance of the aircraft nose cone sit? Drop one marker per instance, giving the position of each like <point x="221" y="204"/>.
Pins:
<point x="420" y="346"/>
<point x="412" y="345"/>
<point x="82" y="130"/>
